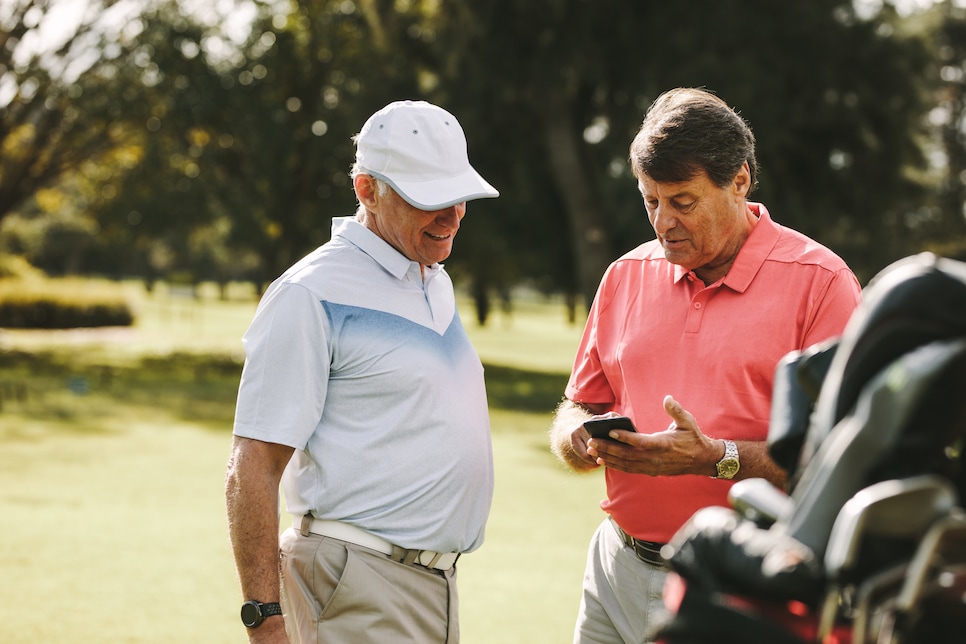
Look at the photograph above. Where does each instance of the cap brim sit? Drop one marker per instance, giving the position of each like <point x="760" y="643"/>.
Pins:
<point x="442" y="193"/>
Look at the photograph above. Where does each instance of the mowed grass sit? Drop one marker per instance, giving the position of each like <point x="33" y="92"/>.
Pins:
<point x="113" y="446"/>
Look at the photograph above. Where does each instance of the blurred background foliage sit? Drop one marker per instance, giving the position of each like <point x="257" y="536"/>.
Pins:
<point x="211" y="141"/>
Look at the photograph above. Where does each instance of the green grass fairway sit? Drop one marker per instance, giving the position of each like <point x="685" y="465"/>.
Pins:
<point x="113" y="446"/>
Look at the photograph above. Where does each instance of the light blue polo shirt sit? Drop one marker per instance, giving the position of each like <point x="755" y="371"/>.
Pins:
<point x="363" y="366"/>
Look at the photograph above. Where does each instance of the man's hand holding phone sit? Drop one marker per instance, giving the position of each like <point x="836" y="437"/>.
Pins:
<point x="601" y="427"/>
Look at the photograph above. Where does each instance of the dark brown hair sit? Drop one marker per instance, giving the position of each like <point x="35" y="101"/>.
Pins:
<point x="687" y="130"/>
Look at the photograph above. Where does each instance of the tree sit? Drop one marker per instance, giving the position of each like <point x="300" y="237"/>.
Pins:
<point x="231" y="161"/>
<point x="311" y="78"/>
<point x="253" y="148"/>
<point x="50" y="121"/>
<point x="944" y="226"/>
<point x="834" y="100"/>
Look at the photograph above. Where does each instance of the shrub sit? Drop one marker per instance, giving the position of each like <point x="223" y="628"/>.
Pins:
<point x="17" y="266"/>
<point x="62" y="304"/>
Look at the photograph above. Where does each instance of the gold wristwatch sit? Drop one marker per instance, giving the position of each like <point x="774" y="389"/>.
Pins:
<point x="728" y="466"/>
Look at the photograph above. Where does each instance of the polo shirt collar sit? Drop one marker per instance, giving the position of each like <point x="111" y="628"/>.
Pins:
<point x="394" y="262"/>
<point x="753" y="252"/>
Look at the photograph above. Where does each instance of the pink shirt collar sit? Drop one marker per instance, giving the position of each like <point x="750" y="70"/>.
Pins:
<point x="752" y="254"/>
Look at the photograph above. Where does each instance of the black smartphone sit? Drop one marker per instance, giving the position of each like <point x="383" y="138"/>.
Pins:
<point x="600" y="427"/>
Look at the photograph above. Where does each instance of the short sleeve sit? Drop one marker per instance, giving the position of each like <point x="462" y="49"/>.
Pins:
<point x="284" y="381"/>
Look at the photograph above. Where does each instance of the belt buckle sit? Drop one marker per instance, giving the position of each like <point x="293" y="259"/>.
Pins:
<point x="649" y="556"/>
<point x="412" y="557"/>
<point x="641" y="551"/>
<point x="433" y="558"/>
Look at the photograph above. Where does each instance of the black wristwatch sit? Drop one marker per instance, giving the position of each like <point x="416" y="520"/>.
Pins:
<point x="253" y="613"/>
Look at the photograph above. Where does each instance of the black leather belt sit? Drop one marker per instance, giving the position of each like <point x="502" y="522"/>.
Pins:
<point x="647" y="551"/>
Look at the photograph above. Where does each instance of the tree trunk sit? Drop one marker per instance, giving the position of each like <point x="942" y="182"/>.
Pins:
<point x="588" y="232"/>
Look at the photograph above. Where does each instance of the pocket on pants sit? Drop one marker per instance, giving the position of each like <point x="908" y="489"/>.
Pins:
<point x="386" y="601"/>
<point x="312" y="568"/>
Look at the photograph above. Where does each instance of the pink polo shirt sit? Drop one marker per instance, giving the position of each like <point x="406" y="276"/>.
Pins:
<point x="655" y="329"/>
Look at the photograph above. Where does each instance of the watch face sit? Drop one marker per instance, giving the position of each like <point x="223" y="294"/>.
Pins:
<point x="250" y="614"/>
<point x="727" y="468"/>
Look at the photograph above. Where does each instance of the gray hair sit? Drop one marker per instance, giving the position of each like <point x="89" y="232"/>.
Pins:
<point x="382" y="188"/>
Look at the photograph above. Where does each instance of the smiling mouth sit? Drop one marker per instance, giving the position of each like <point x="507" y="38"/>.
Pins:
<point x="438" y="237"/>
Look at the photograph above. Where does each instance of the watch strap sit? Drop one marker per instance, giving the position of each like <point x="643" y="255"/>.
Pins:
<point x="261" y="612"/>
<point x="271" y="608"/>
<point x="729" y="464"/>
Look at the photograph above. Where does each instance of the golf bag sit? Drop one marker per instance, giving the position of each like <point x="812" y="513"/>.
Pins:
<point x="868" y="541"/>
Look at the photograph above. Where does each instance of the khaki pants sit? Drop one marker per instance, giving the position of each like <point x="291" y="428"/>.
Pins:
<point x="334" y="592"/>
<point x="622" y="596"/>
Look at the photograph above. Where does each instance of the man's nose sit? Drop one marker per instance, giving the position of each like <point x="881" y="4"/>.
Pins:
<point x="662" y="219"/>
<point x="450" y="217"/>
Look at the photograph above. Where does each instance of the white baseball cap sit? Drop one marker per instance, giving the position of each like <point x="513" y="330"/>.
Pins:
<point x="420" y="150"/>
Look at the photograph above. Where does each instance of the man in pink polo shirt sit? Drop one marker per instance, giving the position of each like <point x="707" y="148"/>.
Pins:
<point x="684" y="337"/>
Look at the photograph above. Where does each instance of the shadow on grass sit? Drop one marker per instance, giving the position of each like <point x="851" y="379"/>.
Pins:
<point x="522" y="390"/>
<point x="200" y="388"/>
<point x="59" y="385"/>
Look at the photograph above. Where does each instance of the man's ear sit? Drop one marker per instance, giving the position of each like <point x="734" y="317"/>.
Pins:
<point x="742" y="181"/>
<point x="365" y="187"/>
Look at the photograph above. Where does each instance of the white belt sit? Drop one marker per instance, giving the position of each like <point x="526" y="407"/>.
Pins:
<point x="350" y="533"/>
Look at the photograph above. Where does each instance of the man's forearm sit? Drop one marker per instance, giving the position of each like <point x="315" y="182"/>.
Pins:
<point x="756" y="463"/>
<point x="254" y="542"/>
<point x="252" y="500"/>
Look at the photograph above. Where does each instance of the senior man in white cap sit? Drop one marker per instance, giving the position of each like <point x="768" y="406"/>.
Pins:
<point x="363" y="396"/>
